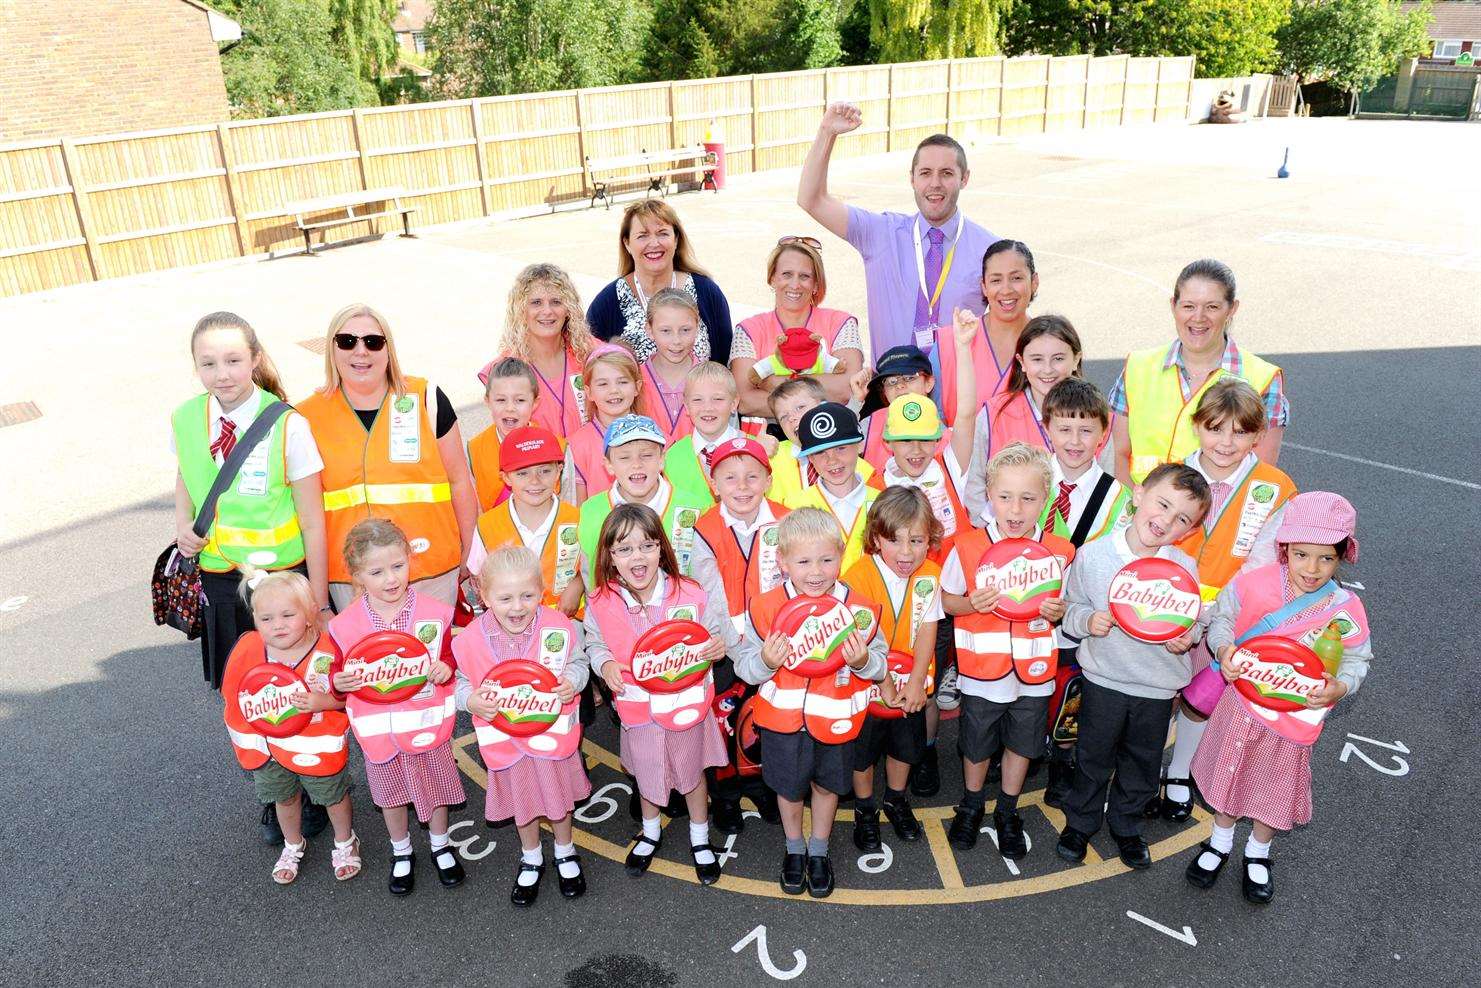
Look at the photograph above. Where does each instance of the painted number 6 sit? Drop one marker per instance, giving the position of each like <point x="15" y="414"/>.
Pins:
<point x="1400" y="767"/>
<point x="590" y="813"/>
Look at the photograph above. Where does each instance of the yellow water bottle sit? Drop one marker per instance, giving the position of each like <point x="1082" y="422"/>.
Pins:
<point x="1329" y="648"/>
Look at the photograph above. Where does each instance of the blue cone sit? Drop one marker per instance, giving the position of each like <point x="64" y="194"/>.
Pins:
<point x="1284" y="172"/>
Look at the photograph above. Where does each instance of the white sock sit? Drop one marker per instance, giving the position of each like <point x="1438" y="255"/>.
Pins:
<point x="1190" y="732"/>
<point x="1222" y="839"/>
<point x="652" y="828"/>
<point x="530" y="856"/>
<point x="1254" y="849"/>
<point x="441" y="850"/>
<point x="699" y="834"/>
<point x="568" y="869"/>
<point x="401" y="848"/>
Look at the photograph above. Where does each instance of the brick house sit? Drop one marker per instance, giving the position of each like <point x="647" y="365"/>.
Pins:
<point x="410" y="25"/>
<point x="1454" y="30"/>
<point x="79" y="67"/>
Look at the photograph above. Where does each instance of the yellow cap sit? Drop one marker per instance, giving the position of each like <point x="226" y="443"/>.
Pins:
<point x="912" y="416"/>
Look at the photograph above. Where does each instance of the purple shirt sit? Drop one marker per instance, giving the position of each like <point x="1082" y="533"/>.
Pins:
<point x="892" y="279"/>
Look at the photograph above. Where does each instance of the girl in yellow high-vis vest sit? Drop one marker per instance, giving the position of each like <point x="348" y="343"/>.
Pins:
<point x="392" y="449"/>
<point x="1160" y="387"/>
<point x="272" y="515"/>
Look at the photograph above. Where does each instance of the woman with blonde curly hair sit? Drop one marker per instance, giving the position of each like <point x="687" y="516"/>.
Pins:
<point x="546" y="328"/>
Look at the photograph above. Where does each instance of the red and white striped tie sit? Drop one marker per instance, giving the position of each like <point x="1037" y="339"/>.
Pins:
<point x="1061" y="507"/>
<point x="227" y="441"/>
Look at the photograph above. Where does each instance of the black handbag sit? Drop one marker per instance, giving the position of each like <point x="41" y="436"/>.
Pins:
<point x="175" y="587"/>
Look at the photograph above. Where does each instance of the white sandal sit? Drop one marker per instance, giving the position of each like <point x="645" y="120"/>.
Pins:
<point x="346" y="858"/>
<point x="288" y="863"/>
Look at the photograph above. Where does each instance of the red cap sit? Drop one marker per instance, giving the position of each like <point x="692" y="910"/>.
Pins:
<point x="744" y="446"/>
<point x="798" y="349"/>
<point x="527" y="446"/>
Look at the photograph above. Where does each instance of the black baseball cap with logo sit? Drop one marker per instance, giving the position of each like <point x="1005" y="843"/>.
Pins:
<point x="895" y="361"/>
<point x="826" y="426"/>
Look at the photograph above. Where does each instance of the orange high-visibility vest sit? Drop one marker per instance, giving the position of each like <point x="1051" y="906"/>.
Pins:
<point x="483" y="458"/>
<point x="1222" y="552"/>
<point x="989" y="647"/>
<point x="958" y="519"/>
<point x="741" y="568"/>
<point x="830" y="711"/>
<point x="558" y="556"/>
<point x="901" y="626"/>
<point x="319" y="749"/>
<point x="365" y="474"/>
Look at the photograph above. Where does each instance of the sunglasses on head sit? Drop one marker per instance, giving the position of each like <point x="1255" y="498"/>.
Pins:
<point x="812" y="242"/>
<point x="374" y="342"/>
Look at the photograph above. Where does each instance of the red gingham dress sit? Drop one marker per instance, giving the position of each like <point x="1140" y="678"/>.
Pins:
<point x="532" y="787"/>
<point x="425" y="781"/>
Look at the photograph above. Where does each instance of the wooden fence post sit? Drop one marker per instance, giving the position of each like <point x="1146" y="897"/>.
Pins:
<point x="483" y="181"/>
<point x="356" y="116"/>
<point x="233" y="192"/>
<point x="889" y="110"/>
<point x="950" y="88"/>
<point x="80" y="205"/>
<point x="756" y="128"/>
<point x="673" y="120"/>
<point x="1085" y="100"/>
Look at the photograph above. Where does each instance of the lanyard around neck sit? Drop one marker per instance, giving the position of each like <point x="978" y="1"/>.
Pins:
<point x="933" y="298"/>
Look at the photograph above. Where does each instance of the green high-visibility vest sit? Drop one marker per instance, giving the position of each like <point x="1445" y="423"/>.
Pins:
<point x="679" y="518"/>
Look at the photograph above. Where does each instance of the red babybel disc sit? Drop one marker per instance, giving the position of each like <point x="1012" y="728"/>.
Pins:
<point x="666" y="657"/>
<point x="1282" y="673"/>
<point x="524" y="693"/>
<point x="393" y="664"/>
<point x="263" y="699"/>
<point x="1026" y="574"/>
<point x="900" y="665"/>
<point x="1154" y="600"/>
<point x="817" y="627"/>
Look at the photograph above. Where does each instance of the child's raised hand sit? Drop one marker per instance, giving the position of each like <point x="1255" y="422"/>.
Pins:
<point x="1052" y="609"/>
<point x="1331" y="690"/>
<point x="481" y="705"/>
<point x="714" y="649"/>
<point x="612" y="676"/>
<point x="776" y="650"/>
<point x="440" y="673"/>
<point x="855" y="651"/>
<point x="565" y="691"/>
<point x="858" y="385"/>
<point x="1101" y="624"/>
<point x="768" y="442"/>
<point x="1180" y="644"/>
<point x="984" y="599"/>
<point x="348" y="680"/>
<point x="963" y="327"/>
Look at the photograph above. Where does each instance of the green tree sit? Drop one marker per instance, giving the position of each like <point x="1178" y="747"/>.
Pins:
<point x="694" y="39"/>
<point x="1351" y="43"/>
<point x="362" y="32"/>
<point x="286" y="61"/>
<point x="910" y="30"/>
<point x="491" y="47"/>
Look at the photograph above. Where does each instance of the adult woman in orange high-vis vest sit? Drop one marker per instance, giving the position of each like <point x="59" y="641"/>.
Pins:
<point x="392" y="449"/>
<point x="1159" y="388"/>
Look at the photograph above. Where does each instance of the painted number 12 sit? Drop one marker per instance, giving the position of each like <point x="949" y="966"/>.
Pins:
<point x="1399" y="768"/>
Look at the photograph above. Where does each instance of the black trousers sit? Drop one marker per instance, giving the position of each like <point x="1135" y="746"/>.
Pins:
<point x="1121" y="736"/>
<point x="226" y="619"/>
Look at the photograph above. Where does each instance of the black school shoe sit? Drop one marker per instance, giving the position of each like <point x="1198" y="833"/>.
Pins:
<point x="314" y="818"/>
<point x="725" y="815"/>
<point x="965" y="827"/>
<point x="1200" y="877"/>
<point x="1061" y="774"/>
<point x="1177" y="810"/>
<point x="1259" y="893"/>
<point x="404" y="884"/>
<point x="866" y="830"/>
<point x="793" y="866"/>
<point x="1153" y="809"/>
<point x="271" y="832"/>
<point x="1072" y="845"/>
<point x="525" y="895"/>
<point x="574" y="887"/>
<point x="819" y="876"/>
<point x="902" y="818"/>
<point x="708" y="874"/>
<point x="451" y="873"/>
<point x="1011" y="843"/>
<point x="1134" y="850"/>
<point x="925" y="775"/>
<point x="636" y="863"/>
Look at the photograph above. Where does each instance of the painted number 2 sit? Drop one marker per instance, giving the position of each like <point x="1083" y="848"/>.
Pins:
<point x="1398" y="769"/>
<point x="758" y="935"/>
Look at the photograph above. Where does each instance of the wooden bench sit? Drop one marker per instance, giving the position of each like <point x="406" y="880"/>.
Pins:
<point x="346" y="208"/>
<point x="661" y="169"/>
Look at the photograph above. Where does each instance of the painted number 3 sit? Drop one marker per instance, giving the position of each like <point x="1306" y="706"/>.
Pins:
<point x="1399" y="768"/>
<point x="758" y="935"/>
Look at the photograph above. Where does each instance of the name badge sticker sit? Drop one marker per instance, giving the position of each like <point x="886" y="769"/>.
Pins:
<point x="252" y="479"/>
<point x="406" y="429"/>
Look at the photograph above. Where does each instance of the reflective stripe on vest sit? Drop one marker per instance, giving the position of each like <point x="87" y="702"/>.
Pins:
<point x="358" y="494"/>
<point x="989" y="648"/>
<point x="319" y="749"/>
<point x="635" y="705"/>
<point x="1159" y="422"/>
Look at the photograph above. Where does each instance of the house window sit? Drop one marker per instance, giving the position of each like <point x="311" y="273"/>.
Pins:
<point x="1447" y="49"/>
<point x="419" y="42"/>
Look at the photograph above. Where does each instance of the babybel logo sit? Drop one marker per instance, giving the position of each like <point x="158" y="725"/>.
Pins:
<point x="1155" y="600"/>
<point x="270" y="704"/>
<point x="392" y="672"/>
<point x="523" y="702"/>
<point x="1277" y="680"/>
<point x="820" y="635"/>
<point x="673" y="662"/>
<point x="1022" y="578"/>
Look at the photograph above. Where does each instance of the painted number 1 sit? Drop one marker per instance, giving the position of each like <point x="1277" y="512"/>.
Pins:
<point x="758" y="935"/>
<point x="1398" y="769"/>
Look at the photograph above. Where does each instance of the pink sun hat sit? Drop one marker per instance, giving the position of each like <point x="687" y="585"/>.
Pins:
<point x="1320" y="518"/>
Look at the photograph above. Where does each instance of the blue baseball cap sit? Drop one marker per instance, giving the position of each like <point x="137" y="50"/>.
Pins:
<point x="629" y="428"/>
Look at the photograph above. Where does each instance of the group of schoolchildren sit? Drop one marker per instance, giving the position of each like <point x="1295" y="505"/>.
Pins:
<point x="665" y="505"/>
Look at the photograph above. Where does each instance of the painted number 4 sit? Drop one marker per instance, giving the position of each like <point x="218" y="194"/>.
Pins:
<point x="1398" y="769"/>
<point x="758" y="936"/>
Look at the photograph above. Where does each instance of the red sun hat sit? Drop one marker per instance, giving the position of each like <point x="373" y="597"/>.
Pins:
<point x="740" y="446"/>
<point x="798" y="349"/>
<point x="527" y="446"/>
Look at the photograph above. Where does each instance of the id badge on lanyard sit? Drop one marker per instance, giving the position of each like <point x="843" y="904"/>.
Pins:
<point x="252" y="478"/>
<point x="554" y="646"/>
<point x="767" y="570"/>
<point x="682" y="536"/>
<point x="578" y="388"/>
<point x="567" y="549"/>
<point x="406" y="429"/>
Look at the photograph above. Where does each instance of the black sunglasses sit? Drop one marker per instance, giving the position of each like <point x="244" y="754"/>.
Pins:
<point x="374" y="342"/>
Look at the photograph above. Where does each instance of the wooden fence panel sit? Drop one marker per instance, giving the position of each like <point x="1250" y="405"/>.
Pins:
<point x="430" y="151"/>
<point x="624" y="120"/>
<point x="532" y="151"/>
<point x="919" y="102"/>
<point x="1065" y="100"/>
<point x="1174" y="86"/>
<point x="787" y="107"/>
<point x="1105" y="89"/>
<point x="1140" y="104"/>
<point x="287" y="160"/>
<point x="725" y="103"/>
<point x="1025" y="95"/>
<point x="976" y="97"/>
<point x="868" y="88"/>
<point x="41" y="242"/>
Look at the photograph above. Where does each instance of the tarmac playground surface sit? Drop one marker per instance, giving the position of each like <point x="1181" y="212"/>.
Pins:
<point x="132" y="853"/>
